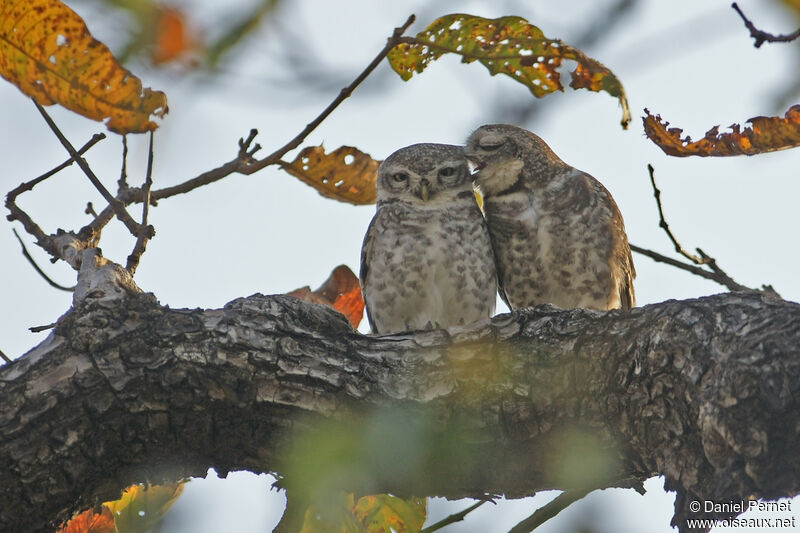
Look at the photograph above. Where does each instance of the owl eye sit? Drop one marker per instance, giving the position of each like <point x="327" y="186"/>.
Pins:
<point x="399" y="177"/>
<point x="490" y="146"/>
<point x="447" y="172"/>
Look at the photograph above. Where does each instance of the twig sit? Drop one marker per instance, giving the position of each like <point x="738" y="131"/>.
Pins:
<point x="90" y="209"/>
<point x="4" y="357"/>
<point x="455" y="517"/>
<point x="146" y="232"/>
<point x="119" y="207"/>
<point x="244" y="162"/>
<point x="761" y="36"/>
<point x="37" y="268"/>
<point x="716" y="274"/>
<point x="663" y="222"/>
<point x="37" y="329"/>
<point x="42" y="239"/>
<point x="122" y="182"/>
<point x="546" y="512"/>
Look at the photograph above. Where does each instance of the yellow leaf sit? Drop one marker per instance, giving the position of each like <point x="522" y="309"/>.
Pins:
<point x="382" y="513"/>
<point x="346" y="174"/>
<point x="510" y="46"/>
<point x="140" y="508"/>
<point x="766" y="134"/>
<point x="47" y="51"/>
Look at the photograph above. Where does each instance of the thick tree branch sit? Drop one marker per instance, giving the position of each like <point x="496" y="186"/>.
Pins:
<point x="705" y="392"/>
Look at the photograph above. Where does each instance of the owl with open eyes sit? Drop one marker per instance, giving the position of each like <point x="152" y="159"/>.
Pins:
<point x="557" y="234"/>
<point x="426" y="261"/>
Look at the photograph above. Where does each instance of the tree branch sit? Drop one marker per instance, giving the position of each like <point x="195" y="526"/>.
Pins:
<point x="453" y="518"/>
<point x="760" y="36"/>
<point x="146" y="232"/>
<point x="704" y="392"/>
<point x="546" y="512"/>
<point x="244" y="163"/>
<point x="37" y="268"/>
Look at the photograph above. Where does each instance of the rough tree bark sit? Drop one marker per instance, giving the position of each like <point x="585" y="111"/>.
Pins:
<point x="705" y="392"/>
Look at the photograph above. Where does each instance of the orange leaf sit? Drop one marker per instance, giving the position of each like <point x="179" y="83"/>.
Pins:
<point x="91" y="522"/>
<point x="142" y="507"/>
<point x="340" y="291"/>
<point x="173" y="37"/>
<point x="346" y="174"/>
<point x="47" y="51"/>
<point x="767" y="134"/>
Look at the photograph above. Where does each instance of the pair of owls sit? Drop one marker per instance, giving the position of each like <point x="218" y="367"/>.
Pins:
<point x="549" y="233"/>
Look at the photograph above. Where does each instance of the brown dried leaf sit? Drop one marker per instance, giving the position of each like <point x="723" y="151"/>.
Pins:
<point x="47" y="51"/>
<point x="346" y="174"/>
<point x="767" y="134"/>
<point x="340" y="291"/>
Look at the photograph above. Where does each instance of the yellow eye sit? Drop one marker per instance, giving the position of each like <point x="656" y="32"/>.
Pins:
<point x="400" y="177"/>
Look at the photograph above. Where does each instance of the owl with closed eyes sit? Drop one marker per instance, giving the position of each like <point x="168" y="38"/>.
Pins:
<point x="426" y="261"/>
<point x="557" y="234"/>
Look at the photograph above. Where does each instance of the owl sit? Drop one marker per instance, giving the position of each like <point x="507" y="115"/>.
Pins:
<point x="557" y="234"/>
<point x="426" y="261"/>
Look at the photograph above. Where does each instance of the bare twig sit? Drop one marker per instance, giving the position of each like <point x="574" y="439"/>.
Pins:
<point x="146" y="232"/>
<point x="4" y="357"/>
<point x="244" y="163"/>
<point x="455" y="517"/>
<point x="716" y="274"/>
<point x="119" y="207"/>
<point x="761" y="36"/>
<point x="546" y="512"/>
<point x="663" y="222"/>
<point x="37" y="268"/>
<point x="42" y="239"/>
<point x="37" y="329"/>
<point x="90" y="209"/>
<point x="122" y="183"/>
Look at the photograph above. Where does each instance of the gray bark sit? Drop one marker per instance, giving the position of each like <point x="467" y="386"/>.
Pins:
<point x="705" y="392"/>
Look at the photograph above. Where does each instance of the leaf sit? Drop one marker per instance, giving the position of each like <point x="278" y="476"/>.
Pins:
<point x="510" y="46"/>
<point x="341" y="291"/>
<point x="767" y="134"/>
<point x="91" y="522"/>
<point x="141" y="508"/>
<point x="173" y="37"/>
<point x="346" y="174"/>
<point x="47" y="51"/>
<point x="384" y="512"/>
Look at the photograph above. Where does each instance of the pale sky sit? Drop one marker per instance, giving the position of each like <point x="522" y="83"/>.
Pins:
<point x="691" y="61"/>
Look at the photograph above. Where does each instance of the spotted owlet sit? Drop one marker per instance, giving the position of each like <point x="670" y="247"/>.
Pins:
<point x="426" y="261"/>
<point x="557" y="234"/>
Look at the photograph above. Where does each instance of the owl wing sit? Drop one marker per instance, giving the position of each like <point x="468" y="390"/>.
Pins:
<point x="627" y="297"/>
<point x="366" y="257"/>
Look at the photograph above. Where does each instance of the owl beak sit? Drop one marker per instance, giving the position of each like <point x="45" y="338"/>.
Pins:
<point x="424" y="190"/>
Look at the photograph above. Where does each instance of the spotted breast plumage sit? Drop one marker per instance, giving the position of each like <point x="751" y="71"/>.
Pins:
<point x="557" y="234"/>
<point x="426" y="261"/>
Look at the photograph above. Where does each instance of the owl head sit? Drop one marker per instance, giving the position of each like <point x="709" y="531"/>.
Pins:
<point x="426" y="174"/>
<point x="501" y="151"/>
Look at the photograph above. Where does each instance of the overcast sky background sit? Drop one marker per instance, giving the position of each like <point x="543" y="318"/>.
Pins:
<point x="691" y="61"/>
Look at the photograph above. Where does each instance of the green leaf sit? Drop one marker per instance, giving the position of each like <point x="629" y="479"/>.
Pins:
<point x="510" y="46"/>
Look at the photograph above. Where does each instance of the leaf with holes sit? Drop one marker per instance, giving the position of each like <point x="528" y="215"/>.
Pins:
<point x="510" y="46"/>
<point x="766" y="134"/>
<point x="341" y="291"/>
<point x="47" y="51"/>
<point x="346" y="174"/>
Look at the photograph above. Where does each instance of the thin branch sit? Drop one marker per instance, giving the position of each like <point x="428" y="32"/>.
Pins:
<point x="119" y="207"/>
<point x="244" y="162"/>
<point x="761" y="36"/>
<point x="146" y="232"/>
<point x="37" y="268"/>
<point x="90" y="209"/>
<point x="4" y="357"/>
<point x="122" y="183"/>
<point x="42" y="239"/>
<point x="716" y="274"/>
<point x="546" y="512"/>
<point x="455" y="517"/>
<point x="663" y="222"/>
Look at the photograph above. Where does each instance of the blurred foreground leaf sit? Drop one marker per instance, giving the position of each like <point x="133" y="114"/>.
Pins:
<point x="766" y="134"/>
<point x="140" y="508"/>
<point x="510" y="46"/>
